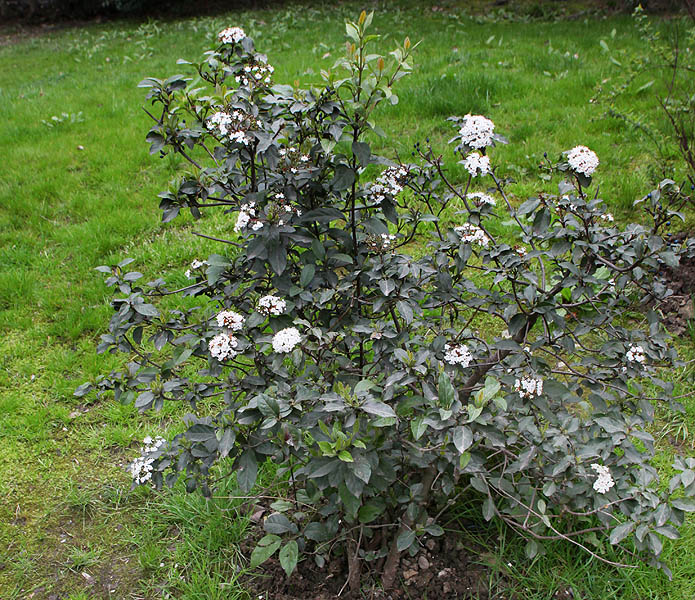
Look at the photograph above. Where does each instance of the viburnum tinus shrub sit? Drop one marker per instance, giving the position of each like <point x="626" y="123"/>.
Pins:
<point x="378" y="343"/>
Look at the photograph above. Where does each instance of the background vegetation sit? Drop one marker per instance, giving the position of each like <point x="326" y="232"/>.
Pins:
<point x="77" y="180"/>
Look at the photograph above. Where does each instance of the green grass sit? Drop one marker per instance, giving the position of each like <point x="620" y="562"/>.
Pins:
<point x="83" y="193"/>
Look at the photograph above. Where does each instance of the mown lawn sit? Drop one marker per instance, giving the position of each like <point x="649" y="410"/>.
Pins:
<point x="79" y="190"/>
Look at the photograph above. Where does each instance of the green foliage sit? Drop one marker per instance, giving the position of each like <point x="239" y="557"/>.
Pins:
<point x="661" y="69"/>
<point x="371" y="378"/>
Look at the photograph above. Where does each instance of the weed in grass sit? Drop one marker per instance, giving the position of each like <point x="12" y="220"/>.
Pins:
<point x="674" y="428"/>
<point x="82" y="558"/>
<point x="151" y="554"/>
<point x="81" y="500"/>
<point x="114" y="497"/>
<point x="79" y="596"/>
<point x="22" y="565"/>
<point x="63" y="118"/>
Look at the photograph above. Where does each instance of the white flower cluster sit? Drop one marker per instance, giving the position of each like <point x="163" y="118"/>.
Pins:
<point x="527" y="387"/>
<point x="235" y="126"/>
<point x="386" y="239"/>
<point x="223" y="346"/>
<point x="608" y="217"/>
<point x="380" y="242"/>
<point x="636" y="354"/>
<point x="295" y="210"/>
<point x="520" y="250"/>
<point x="286" y="208"/>
<point x="286" y="339"/>
<point x="389" y="183"/>
<point x="196" y="264"/>
<point x="231" y="35"/>
<point x="220" y="121"/>
<point x="255" y="74"/>
<point x="271" y="305"/>
<point x="293" y="158"/>
<point x="472" y="234"/>
<point x="246" y="216"/>
<point x="604" y="481"/>
<point x="230" y="319"/>
<point x="457" y="354"/>
<point x="476" y="131"/>
<point x="476" y="164"/>
<point x="141" y="468"/>
<point x="480" y="198"/>
<point x="582" y="160"/>
<point x="293" y="154"/>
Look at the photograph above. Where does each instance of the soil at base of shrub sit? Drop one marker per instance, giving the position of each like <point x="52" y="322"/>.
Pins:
<point x="678" y="309"/>
<point x="444" y="568"/>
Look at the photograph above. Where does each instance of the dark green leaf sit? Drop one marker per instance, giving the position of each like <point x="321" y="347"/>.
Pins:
<point x="227" y="441"/>
<point x="446" y="391"/>
<point x="344" y="178"/>
<point x="324" y="214"/>
<point x="370" y="511"/>
<point x="619" y="533"/>
<point x="405" y="540"/>
<point x="351" y="503"/>
<point x="146" y="310"/>
<point x="387" y="286"/>
<point x="200" y="433"/>
<point x="405" y="311"/>
<point x="528" y="206"/>
<point x="362" y="152"/>
<point x="265" y="548"/>
<point x="307" y="275"/>
<point x="418" y="427"/>
<point x="685" y="504"/>
<point x="83" y="390"/>
<point x="488" y="509"/>
<point x="277" y="258"/>
<point x="362" y="469"/>
<point x="670" y="259"/>
<point x="288" y="557"/>
<point x="378" y="409"/>
<point x="434" y="530"/>
<point x="463" y="438"/>
<point x="317" y="532"/>
<point x="531" y="549"/>
<point x="610" y="425"/>
<point x="278" y="523"/>
<point x="248" y="471"/>
<point x="144" y="400"/>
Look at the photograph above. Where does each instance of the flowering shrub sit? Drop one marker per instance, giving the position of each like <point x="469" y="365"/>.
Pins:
<point x="517" y="368"/>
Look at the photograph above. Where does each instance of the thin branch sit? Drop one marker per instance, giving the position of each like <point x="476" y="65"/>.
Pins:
<point x="209" y="237"/>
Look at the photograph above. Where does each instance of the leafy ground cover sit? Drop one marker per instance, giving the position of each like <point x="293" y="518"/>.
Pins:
<point x="77" y="180"/>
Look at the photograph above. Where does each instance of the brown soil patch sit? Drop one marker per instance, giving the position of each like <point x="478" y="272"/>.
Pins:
<point x="445" y="568"/>
<point x="678" y="309"/>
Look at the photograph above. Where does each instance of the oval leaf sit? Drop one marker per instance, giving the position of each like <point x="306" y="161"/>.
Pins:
<point x="264" y="550"/>
<point x="288" y="557"/>
<point x="378" y="409"/>
<point x="405" y="540"/>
